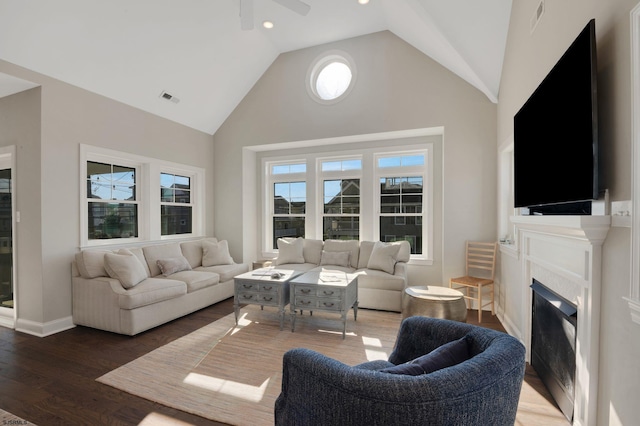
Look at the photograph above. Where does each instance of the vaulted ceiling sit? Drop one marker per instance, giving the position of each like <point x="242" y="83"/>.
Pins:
<point x="133" y="50"/>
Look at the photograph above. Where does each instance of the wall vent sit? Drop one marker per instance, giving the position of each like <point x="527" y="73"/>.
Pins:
<point x="169" y="97"/>
<point x="537" y="15"/>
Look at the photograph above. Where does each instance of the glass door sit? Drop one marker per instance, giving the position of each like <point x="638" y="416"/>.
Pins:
<point x="6" y="240"/>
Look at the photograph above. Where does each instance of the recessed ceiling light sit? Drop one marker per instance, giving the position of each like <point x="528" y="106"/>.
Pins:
<point x="363" y="1"/>
<point x="267" y="24"/>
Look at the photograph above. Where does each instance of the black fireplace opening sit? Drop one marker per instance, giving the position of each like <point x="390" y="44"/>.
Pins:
<point x="553" y="344"/>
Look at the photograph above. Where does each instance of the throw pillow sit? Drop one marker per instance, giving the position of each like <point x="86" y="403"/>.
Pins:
<point x="383" y="257"/>
<point x="173" y="265"/>
<point x="216" y="253"/>
<point x="447" y="355"/>
<point x="290" y="251"/>
<point x="336" y="258"/>
<point x="125" y="267"/>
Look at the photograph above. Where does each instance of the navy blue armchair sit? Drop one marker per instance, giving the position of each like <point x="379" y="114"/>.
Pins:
<point x="483" y="390"/>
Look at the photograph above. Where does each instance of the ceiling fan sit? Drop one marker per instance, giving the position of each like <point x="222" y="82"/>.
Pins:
<point x="246" y="10"/>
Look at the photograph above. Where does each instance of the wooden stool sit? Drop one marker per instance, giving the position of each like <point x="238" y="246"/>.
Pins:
<point x="434" y="301"/>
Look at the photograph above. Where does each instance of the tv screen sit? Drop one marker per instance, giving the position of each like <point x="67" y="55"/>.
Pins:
<point x="556" y="133"/>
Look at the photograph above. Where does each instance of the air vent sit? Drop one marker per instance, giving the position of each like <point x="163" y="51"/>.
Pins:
<point x="169" y="97"/>
<point x="537" y="16"/>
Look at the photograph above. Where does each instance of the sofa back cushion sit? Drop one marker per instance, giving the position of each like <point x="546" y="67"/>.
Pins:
<point x="156" y="252"/>
<point x="90" y="263"/>
<point x="312" y="251"/>
<point x="352" y="246"/>
<point x="216" y="253"/>
<point x="336" y="258"/>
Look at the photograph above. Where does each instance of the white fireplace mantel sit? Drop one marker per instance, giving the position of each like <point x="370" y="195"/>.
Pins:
<point x="591" y="228"/>
<point x="565" y="254"/>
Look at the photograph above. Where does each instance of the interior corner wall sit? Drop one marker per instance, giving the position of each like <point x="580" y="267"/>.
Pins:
<point x="528" y="58"/>
<point x="397" y="88"/>
<point x="70" y="116"/>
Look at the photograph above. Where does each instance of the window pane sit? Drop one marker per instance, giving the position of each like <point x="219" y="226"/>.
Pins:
<point x="341" y="165"/>
<point x="289" y="197"/>
<point x="175" y="188"/>
<point x="110" y="182"/>
<point x="288" y="168"/>
<point x="409" y="198"/>
<point x="112" y="220"/>
<point x="341" y="228"/>
<point x="401" y="161"/>
<point x="342" y="196"/>
<point x="399" y="228"/>
<point x="175" y="220"/>
<point x="287" y="227"/>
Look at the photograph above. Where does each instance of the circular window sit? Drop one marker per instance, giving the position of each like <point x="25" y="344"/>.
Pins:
<point x="331" y="77"/>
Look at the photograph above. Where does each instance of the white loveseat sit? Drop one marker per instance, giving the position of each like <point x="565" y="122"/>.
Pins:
<point x="381" y="267"/>
<point x="131" y="290"/>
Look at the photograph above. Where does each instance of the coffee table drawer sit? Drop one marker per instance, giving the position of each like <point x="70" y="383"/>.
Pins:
<point x="247" y="297"/>
<point x="311" y="303"/>
<point x="268" y="287"/>
<point x="247" y="286"/>
<point x="318" y="291"/>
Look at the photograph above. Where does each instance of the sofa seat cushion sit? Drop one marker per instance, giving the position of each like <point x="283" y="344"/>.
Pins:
<point x="225" y="272"/>
<point x="196" y="280"/>
<point x="150" y="291"/>
<point x="372" y="278"/>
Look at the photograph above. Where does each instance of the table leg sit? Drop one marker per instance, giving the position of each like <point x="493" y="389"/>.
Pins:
<point x="355" y="311"/>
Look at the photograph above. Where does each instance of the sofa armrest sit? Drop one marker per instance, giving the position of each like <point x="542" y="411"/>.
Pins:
<point x="95" y="302"/>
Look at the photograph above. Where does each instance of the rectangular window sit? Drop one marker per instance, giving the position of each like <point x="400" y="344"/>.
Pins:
<point x="112" y="206"/>
<point x="401" y="201"/>
<point x="341" y="219"/>
<point x="176" y="210"/>
<point x="288" y="201"/>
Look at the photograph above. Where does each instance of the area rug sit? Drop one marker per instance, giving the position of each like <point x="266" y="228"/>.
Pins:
<point x="232" y="374"/>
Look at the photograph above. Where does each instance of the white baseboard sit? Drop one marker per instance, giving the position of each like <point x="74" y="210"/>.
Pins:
<point x="44" y="329"/>
<point x="7" y="322"/>
<point x="510" y="326"/>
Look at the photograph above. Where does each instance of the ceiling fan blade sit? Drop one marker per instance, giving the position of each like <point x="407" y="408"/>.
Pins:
<point x="246" y="14"/>
<point x="295" y="5"/>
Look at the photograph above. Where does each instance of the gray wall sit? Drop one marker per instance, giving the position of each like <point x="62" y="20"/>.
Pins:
<point x="528" y="59"/>
<point x="397" y="88"/>
<point x="63" y="117"/>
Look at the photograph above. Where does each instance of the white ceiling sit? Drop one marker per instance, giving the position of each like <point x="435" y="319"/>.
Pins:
<point x="132" y="50"/>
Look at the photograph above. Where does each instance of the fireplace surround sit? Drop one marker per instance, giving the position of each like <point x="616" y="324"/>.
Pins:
<point x="564" y="253"/>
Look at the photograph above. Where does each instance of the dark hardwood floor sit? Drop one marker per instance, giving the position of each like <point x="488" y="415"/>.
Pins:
<point x="52" y="380"/>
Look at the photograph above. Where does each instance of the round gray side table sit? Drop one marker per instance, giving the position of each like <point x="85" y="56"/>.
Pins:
<point x="434" y="301"/>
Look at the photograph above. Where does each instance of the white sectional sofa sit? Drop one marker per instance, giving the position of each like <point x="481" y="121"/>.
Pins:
<point x="131" y="290"/>
<point x="381" y="267"/>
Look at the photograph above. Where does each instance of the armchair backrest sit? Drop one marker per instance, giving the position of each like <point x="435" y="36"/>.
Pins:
<point x="483" y="390"/>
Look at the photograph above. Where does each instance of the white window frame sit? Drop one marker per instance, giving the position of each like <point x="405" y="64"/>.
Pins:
<point x="426" y="172"/>
<point x="337" y="175"/>
<point x="147" y="194"/>
<point x="369" y="192"/>
<point x="196" y="180"/>
<point x="269" y="208"/>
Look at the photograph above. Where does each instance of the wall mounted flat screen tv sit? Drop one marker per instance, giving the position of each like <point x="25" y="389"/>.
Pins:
<point x="556" y="135"/>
